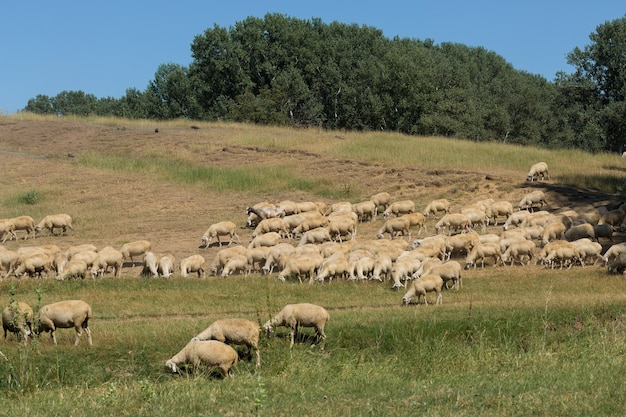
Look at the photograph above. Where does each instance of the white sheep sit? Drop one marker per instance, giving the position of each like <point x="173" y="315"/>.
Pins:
<point x="553" y="231"/>
<point x="365" y="210"/>
<point x="235" y="332"/>
<point x="361" y="264"/>
<point x="476" y="216"/>
<point x="108" y="257"/>
<point x="257" y="256"/>
<point x="613" y="251"/>
<point x="423" y="285"/>
<point x="88" y="256"/>
<point x="300" y="315"/>
<point x="588" y="249"/>
<point x="497" y="209"/>
<point x="275" y="224"/>
<point x="463" y="242"/>
<point x="481" y="252"/>
<point x="382" y="199"/>
<point x="7" y="230"/>
<point x="333" y="268"/>
<point x="276" y="253"/>
<point x="150" y="265"/>
<point x="564" y="254"/>
<point x="223" y="255"/>
<point x="166" y="265"/>
<point x="225" y="228"/>
<point x="309" y="206"/>
<point x="316" y="236"/>
<point x="403" y="270"/>
<point x="341" y="207"/>
<point x="383" y="265"/>
<point x="310" y="223"/>
<point x="539" y="218"/>
<point x="529" y="201"/>
<point x="435" y="206"/>
<point x="395" y="226"/>
<point x="17" y="318"/>
<point x="24" y="223"/>
<point x="60" y="221"/>
<point x="426" y="266"/>
<point x="253" y="219"/>
<point x="289" y="207"/>
<point x="209" y="353"/>
<point x="73" y="250"/>
<point x="540" y="169"/>
<point x="265" y="212"/>
<point x="64" y="315"/>
<point x="453" y="221"/>
<point x="398" y="208"/>
<point x="340" y="226"/>
<point x="448" y="271"/>
<point x="193" y="263"/>
<point x="137" y="248"/>
<point x="416" y="219"/>
<point x="8" y="260"/>
<point x="237" y="263"/>
<point x="300" y="266"/>
<point x="74" y="268"/>
<point x="33" y="265"/>
<point x="518" y="251"/>
<point x="266" y="239"/>
<point x="516" y="219"/>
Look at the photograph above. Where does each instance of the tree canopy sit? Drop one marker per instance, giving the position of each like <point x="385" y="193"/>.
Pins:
<point x="287" y="71"/>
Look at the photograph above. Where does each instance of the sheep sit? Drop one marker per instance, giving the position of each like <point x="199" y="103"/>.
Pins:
<point x="289" y="207"/>
<point x="399" y="207"/>
<point x="365" y="210"/>
<point x="603" y="230"/>
<point x="480" y="252"/>
<point x="553" y="231"/>
<point x="74" y="268"/>
<point x="166" y="265"/>
<point x="588" y="249"/>
<point x="253" y="219"/>
<point x="89" y="257"/>
<point x="580" y="231"/>
<point x="403" y="269"/>
<point x="235" y="332"/>
<point x="17" y="318"/>
<point x="210" y="353"/>
<point x="73" y="250"/>
<point x="308" y="206"/>
<point x="237" y="263"/>
<point x="257" y="256"/>
<point x="340" y="226"/>
<point x="612" y="217"/>
<point x="436" y="206"/>
<point x="517" y="251"/>
<point x="613" y="251"/>
<point x="516" y="219"/>
<point x="543" y="253"/>
<point x="64" y="315"/>
<point x="426" y="266"/>
<point x="416" y="219"/>
<point x="420" y="286"/>
<point x="539" y="218"/>
<point x="499" y="208"/>
<point x="108" y="256"/>
<point x="7" y="229"/>
<point x="223" y="255"/>
<point x="8" y="260"/>
<point x="35" y="264"/>
<point x="265" y="212"/>
<point x="136" y="248"/>
<point x="150" y="265"/>
<point x="266" y="239"/>
<point x="529" y="200"/>
<point x="25" y="223"/>
<point x="383" y="265"/>
<point x="476" y="217"/>
<point x="310" y="223"/>
<point x="274" y="256"/>
<point x="564" y="254"/>
<point x="341" y="207"/>
<point x="381" y="200"/>
<point x="540" y="169"/>
<point x="395" y="226"/>
<point x="333" y="268"/>
<point x="461" y="243"/>
<point x="300" y="266"/>
<point x="275" y="224"/>
<point x="618" y="264"/>
<point x="318" y="235"/>
<point x="448" y="271"/>
<point x="225" y="228"/>
<point x="300" y="315"/>
<point x="193" y="263"/>
<point x="52" y="221"/>
<point x="489" y="237"/>
<point x="453" y="221"/>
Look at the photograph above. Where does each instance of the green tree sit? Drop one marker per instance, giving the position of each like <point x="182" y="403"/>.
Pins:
<point x="41" y="104"/>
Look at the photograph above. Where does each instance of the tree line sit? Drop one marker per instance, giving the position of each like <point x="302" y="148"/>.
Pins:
<point x="281" y="70"/>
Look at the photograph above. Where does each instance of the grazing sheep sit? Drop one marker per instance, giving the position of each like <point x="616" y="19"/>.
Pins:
<point x="518" y="251"/>
<point x="108" y="257"/>
<point x="540" y="169"/>
<point x="481" y="252"/>
<point x="193" y="263"/>
<point x="225" y="228"/>
<point x="266" y="212"/>
<point x="166" y="265"/>
<point x="476" y="216"/>
<point x="150" y="265"/>
<point x="416" y="219"/>
<point x="74" y="268"/>
<point x="7" y="229"/>
<point x="564" y="254"/>
<point x="383" y="265"/>
<point x="580" y="231"/>
<point x="436" y="206"/>
<point x="399" y="207"/>
<point x="64" y="315"/>
<point x="24" y="223"/>
<point x="89" y="257"/>
<point x="420" y="286"/>
<point x="340" y="226"/>
<point x="395" y="226"/>
<point x="365" y="210"/>
<point x="310" y="223"/>
<point x="618" y="264"/>
<point x="403" y="270"/>
<point x="461" y="243"/>
<point x="588" y="249"/>
<point x="448" y="271"/>
<point x="33" y="265"/>
<point x="253" y="219"/>
<point x="308" y="206"/>
<point x="266" y="239"/>
<point x="613" y="251"/>
<point x="8" y="260"/>
<point x="209" y="353"/>
<point x="612" y="217"/>
<point x="341" y="207"/>
<point x="516" y="219"/>
<point x="275" y="224"/>
<point x="361" y="264"/>
<point x="17" y="318"/>
<point x="604" y="230"/>
<point x="237" y="263"/>
<point x="235" y="332"/>
<point x="381" y="200"/>
<point x="333" y="268"/>
<point x="427" y="265"/>
<point x="539" y="218"/>
<point x="257" y="256"/>
<point x="453" y="221"/>
<point x="318" y="235"/>
<point x="497" y="209"/>
<point x="276" y="253"/>
<point x="52" y="221"/>
<point x="136" y="248"/>
<point x="529" y="201"/>
<point x="553" y="231"/>
<point x="73" y="250"/>
<point x="223" y="255"/>
<point x="300" y="266"/>
<point x="289" y="207"/>
<point x="300" y="315"/>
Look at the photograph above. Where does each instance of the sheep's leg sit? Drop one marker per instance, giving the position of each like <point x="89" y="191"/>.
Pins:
<point x="79" y="333"/>
<point x="53" y="336"/>
<point x="88" y="336"/>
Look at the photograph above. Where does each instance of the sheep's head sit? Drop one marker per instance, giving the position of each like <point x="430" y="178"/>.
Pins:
<point x="406" y="301"/>
<point x="267" y="328"/>
<point x="172" y="366"/>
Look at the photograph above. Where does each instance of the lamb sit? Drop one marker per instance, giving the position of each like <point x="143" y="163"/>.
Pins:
<point x="453" y="221"/>
<point x="395" y="226"/>
<point x="17" y="318"/>
<point x="480" y="252"/>
<point x="64" y="315"/>
<point x="365" y="210"/>
<point x="238" y="263"/>
<point x="7" y="229"/>
<point x="223" y="255"/>
<point x="399" y="207"/>
<point x="540" y="169"/>
<point x="74" y="268"/>
<point x="517" y="251"/>
<point x="420" y="286"/>
<point x="499" y="208"/>
<point x="529" y="200"/>
<point x="193" y="263"/>
<point x="166" y="265"/>
<point x="234" y="331"/>
<point x="448" y="271"/>
<point x="301" y="265"/>
<point x="580" y="231"/>
<point x="300" y="315"/>
<point x="275" y="224"/>
<point x="318" y="235"/>
<point x="381" y="200"/>
<point x="52" y="221"/>
<point x="266" y="239"/>
<point x="210" y="353"/>
<point x="108" y="256"/>
<point x="436" y="206"/>
<point x="136" y="248"/>
<point x="25" y="223"/>
<point x="225" y="228"/>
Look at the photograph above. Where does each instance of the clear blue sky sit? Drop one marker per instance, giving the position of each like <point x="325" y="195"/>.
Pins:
<point x="105" y="47"/>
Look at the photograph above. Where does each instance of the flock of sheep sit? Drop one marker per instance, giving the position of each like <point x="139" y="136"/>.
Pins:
<point x="316" y="241"/>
